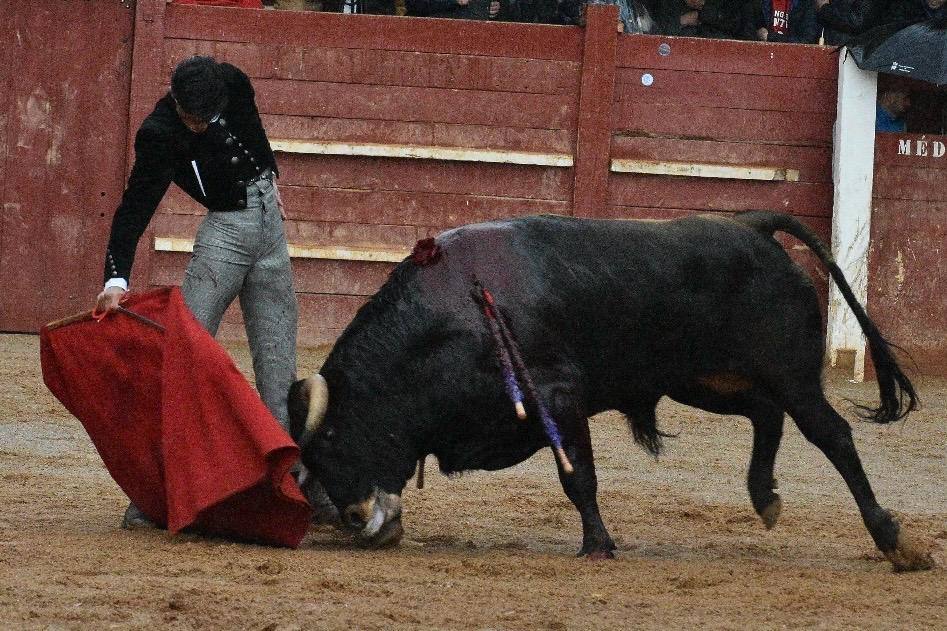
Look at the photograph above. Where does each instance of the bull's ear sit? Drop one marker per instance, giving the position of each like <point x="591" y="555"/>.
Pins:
<point x="308" y="399"/>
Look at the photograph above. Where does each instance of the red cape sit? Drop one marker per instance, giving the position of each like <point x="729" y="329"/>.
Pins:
<point x="176" y="423"/>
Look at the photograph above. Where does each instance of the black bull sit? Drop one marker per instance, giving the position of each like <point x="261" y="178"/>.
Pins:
<point x="609" y="315"/>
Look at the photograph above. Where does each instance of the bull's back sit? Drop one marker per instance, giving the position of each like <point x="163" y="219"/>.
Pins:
<point x="699" y="293"/>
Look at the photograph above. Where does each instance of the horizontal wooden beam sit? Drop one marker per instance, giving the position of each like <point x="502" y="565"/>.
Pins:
<point x="423" y="152"/>
<point x="698" y="169"/>
<point x="302" y="251"/>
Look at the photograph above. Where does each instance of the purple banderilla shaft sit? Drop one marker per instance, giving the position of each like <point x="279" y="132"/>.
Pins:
<point x="549" y="424"/>
<point x="506" y="366"/>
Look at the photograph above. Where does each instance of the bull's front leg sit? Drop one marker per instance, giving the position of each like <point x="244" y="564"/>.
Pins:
<point x="581" y="486"/>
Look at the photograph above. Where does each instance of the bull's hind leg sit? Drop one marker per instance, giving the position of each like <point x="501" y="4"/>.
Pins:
<point x="581" y="486"/>
<point x="767" y="419"/>
<point x="767" y="422"/>
<point x="828" y="431"/>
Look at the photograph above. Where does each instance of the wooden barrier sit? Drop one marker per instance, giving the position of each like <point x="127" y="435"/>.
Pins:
<point x="907" y="268"/>
<point x="389" y="129"/>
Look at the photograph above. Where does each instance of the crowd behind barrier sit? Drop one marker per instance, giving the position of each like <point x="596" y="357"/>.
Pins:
<point x="832" y="22"/>
<point x="829" y="22"/>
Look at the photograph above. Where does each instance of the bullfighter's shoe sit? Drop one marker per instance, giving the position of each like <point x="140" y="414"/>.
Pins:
<point x="135" y="519"/>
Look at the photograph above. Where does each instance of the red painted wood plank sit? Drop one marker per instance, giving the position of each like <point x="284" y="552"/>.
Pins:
<point x="433" y="70"/>
<point x="907" y="267"/>
<point x="430" y="176"/>
<point x="593" y="133"/>
<point x="658" y="191"/>
<point x="756" y="58"/>
<point x="347" y="278"/>
<point x="813" y="163"/>
<point x="685" y="121"/>
<point x="323" y="233"/>
<point x="911" y="150"/>
<point x="350" y="234"/>
<point x="908" y="183"/>
<point x="419" y="133"/>
<point x="340" y="100"/>
<point x="408" y="208"/>
<point x="322" y="317"/>
<point x="727" y="90"/>
<point x="332" y="30"/>
<point x="54" y="215"/>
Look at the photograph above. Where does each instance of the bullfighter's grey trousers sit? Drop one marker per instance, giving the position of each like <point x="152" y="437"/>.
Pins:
<point x="244" y="253"/>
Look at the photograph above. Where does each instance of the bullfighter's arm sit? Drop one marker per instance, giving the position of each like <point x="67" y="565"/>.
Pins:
<point x="150" y="178"/>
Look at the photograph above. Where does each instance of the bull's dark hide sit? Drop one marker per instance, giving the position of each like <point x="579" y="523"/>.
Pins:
<point x="609" y="315"/>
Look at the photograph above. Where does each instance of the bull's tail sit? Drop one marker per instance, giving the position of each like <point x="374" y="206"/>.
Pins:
<point x="897" y="394"/>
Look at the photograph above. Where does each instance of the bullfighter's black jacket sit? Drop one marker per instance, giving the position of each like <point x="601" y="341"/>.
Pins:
<point x="212" y="167"/>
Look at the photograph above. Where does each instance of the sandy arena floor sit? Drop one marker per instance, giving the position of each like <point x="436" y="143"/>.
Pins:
<point x="489" y="550"/>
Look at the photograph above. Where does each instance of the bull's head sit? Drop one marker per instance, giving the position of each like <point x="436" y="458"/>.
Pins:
<point x="361" y="467"/>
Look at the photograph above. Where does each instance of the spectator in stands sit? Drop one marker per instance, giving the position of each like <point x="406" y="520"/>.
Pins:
<point x="239" y="4"/>
<point x="537" y="11"/>
<point x="294" y="5"/>
<point x="374" y="7"/>
<point x="893" y="104"/>
<point x="843" y="19"/>
<point x="721" y="19"/>
<point x="459" y="9"/>
<point x="916" y="10"/>
<point x="788" y="21"/>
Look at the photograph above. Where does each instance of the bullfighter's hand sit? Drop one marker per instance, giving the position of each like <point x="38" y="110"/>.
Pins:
<point x="109" y="299"/>
<point x="279" y="201"/>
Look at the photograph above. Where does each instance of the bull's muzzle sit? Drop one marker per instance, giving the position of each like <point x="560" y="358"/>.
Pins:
<point x="377" y="520"/>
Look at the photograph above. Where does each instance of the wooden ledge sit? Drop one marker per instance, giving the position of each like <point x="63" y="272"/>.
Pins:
<point x="422" y="152"/>
<point x="302" y="251"/>
<point x="697" y="169"/>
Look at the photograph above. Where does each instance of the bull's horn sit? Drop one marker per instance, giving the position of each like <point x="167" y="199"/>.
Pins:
<point x="318" y="402"/>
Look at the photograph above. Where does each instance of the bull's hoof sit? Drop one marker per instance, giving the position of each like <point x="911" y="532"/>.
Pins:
<point x="770" y="514"/>
<point x="908" y="556"/>
<point x="134" y="519"/>
<point x="596" y="550"/>
<point x="388" y="537"/>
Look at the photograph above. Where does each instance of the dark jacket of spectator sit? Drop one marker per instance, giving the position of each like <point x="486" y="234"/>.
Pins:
<point x="798" y="24"/>
<point x="374" y="7"/>
<point x="915" y="11"/>
<point x="473" y="10"/>
<point x="843" y="19"/>
<point x="716" y="18"/>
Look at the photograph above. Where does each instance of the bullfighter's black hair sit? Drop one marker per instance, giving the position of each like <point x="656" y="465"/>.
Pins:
<point x="198" y="86"/>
